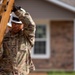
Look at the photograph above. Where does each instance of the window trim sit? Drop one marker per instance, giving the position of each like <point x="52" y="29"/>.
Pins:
<point x="47" y="55"/>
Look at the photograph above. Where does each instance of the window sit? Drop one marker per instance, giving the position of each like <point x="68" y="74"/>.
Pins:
<point x="41" y="48"/>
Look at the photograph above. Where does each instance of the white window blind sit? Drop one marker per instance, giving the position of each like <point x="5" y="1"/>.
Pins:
<point x="42" y="47"/>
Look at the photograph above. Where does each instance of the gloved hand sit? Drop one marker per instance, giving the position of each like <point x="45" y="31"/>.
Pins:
<point x="15" y="8"/>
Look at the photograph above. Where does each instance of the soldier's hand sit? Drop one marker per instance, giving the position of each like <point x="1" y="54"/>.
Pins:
<point x="15" y="8"/>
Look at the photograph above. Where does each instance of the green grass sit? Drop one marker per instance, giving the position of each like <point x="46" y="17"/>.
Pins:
<point x="61" y="73"/>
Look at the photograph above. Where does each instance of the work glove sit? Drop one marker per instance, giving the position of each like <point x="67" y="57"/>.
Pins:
<point x="15" y="8"/>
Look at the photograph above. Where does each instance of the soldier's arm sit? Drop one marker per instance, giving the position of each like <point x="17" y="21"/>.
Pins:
<point x="29" y="25"/>
<point x="1" y="51"/>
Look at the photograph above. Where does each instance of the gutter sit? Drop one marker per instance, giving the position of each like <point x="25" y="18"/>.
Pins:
<point x="62" y="4"/>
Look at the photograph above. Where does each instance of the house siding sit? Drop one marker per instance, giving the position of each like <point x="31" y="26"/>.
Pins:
<point x="41" y="9"/>
<point x="62" y="50"/>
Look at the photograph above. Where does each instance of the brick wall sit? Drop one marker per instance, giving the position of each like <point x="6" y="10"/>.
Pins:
<point x="62" y="45"/>
<point x="38" y="73"/>
<point x="61" y="48"/>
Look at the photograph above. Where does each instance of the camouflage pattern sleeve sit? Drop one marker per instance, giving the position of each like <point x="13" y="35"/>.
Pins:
<point x="1" y="52"/>
<point x="29" y="25"/>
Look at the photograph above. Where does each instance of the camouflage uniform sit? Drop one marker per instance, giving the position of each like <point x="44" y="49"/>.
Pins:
<point x="15" y="56"/>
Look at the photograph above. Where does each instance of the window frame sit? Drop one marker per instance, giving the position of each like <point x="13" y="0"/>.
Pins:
<point x="47" y="55"/>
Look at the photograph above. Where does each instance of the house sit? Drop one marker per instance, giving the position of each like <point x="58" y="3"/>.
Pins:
<point x="55" y="35"/>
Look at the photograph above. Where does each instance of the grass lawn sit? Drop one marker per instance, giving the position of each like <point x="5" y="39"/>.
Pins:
<point x="61" y="73"/>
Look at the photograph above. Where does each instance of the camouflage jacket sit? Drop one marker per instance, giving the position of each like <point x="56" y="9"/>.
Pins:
<point x="15" y="51"/>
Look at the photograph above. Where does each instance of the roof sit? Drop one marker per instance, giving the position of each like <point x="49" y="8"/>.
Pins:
<point x="68" y="4"/>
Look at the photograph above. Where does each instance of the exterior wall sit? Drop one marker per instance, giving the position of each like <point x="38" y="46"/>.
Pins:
<point x="62" y="44"/>
<point x="61" y="33"/>
<point x="62" y="57"/>
<point x="41" y="9"/>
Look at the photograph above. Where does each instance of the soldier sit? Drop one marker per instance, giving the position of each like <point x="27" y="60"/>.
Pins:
<point x="15" y="56"/>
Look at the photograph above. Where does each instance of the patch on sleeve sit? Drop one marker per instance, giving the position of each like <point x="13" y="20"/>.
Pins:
<point x="22" y="47"/>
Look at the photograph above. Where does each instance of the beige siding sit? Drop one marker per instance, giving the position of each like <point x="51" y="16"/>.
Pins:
<point x="43" y="9"/>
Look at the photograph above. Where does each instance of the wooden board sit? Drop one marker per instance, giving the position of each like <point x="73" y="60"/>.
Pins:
<point x="4" y="20"/>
